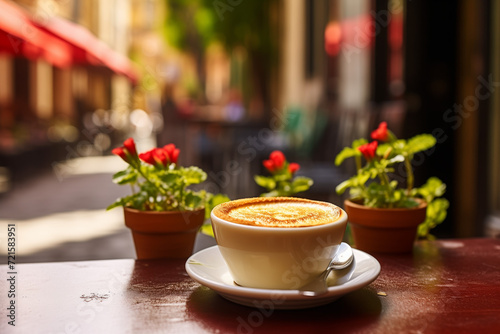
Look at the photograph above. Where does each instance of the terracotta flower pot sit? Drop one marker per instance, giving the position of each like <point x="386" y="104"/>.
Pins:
<point x="167" y="234"/>
<point x="384" y="230"/>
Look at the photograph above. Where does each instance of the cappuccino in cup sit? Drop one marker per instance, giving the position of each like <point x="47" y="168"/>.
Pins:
<point x="284" y="212"/>
<point x="277" y="242"/>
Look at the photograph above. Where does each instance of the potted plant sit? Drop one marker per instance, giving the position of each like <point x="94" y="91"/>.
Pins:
<point x="386" y="212"/>
<point x="282" y="181"/>
<point x="163" y="214"/>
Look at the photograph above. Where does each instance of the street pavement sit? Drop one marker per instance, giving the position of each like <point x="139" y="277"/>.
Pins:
<point x="60" y="214"/>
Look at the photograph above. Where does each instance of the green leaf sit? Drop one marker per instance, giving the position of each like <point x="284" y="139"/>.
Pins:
<point x="300" y="184"/>
<point x="193" y="175"/>
<point x="148" y="170"/>
<point x="283" y="176"/>
<point x="265" y="182"/>
<point x="396" y="159"/>
<point x="120" y="174"/>
<point x="420" y="143"/>
<point x="407" y="202"/>
<point x="373" y="171"/>
<point x="273" y="193"/>
<point x="382" y="149"/>
<point x="149" y="188"/>
<point x="437" y="210"/>
<point x="213" y="201"/>
<point x="135" y="201"/>
<point x="218" y="199"/>
<point x="436" y="214"/>
<point x="423" y="230"/>
<point x="362" y="178"/>
<point x="138" y="201"/>
<point x="375" y="195"/>
<point x="117" y="203"/>
<point x="343" y="186"/>
<point x="125" y="177"/>
<point x="357" y="182"/>
<point x="399" y="146"/>
<point x="193" y="200"/>
<point x="207" y="229"/>
<point x="433" y="188"/>
<point x="284" y="188"/>
<point x="347" y="152"/>
<point x="170" y="177"/>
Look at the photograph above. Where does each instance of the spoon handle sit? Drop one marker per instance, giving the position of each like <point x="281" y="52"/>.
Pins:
<point x="341" y="260"/>
<point x="318" y="286"/>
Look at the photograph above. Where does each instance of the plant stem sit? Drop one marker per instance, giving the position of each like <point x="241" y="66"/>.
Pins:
<point x="384" y="179"/>
<point x="358" y="163"/>
<point x="409" y="174"/>
<point x="161" y="190"/>
<point x="358" y="169"/>
<point x="182" y="197"/>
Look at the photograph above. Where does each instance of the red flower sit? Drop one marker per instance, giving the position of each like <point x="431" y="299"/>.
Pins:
<point x="278" y="158"/>
<point x="156" y="157"/>
<point x="172" y="152"/>
<point x="127" y="152"/>
<point x="276" y="161"/>
<point x="148" y="157"/>
<point x="119" y="151"/>
<point x="381" y="132"/>
<point x="369" y="150"/>
<point x="293" y="167"/>
<point x="161" y="157"/>
<point x="269" y="164"/>
<point x="129" y="144"/>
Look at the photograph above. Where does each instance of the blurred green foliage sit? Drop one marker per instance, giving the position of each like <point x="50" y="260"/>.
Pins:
<point x="249" y="25"/>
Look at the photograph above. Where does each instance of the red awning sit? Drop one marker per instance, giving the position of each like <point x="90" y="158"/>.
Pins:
<point x="58" y="41"/>
<point x="87" y="49"/>
<point x="20" y="37"/>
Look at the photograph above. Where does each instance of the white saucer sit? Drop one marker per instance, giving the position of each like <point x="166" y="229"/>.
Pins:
<point x="208" y="268"/>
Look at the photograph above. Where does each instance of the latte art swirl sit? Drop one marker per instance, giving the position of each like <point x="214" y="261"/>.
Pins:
<point x="278" y="212"/>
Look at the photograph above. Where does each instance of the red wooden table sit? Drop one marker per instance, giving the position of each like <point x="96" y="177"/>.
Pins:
<point x="447" y="286"/>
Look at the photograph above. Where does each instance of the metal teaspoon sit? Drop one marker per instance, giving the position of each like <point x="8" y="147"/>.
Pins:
<point x="342" y="259"/>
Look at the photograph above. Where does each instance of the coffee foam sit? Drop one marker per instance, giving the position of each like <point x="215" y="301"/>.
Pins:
<point x="278" y="212"/>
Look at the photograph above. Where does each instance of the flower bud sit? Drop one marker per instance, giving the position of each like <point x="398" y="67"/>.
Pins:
<point x="369" y="150"/>
<point x="293" y="167"/>
<point x="381" y="132"/>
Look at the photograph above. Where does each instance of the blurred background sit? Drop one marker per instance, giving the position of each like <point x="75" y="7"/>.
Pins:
<point x="229" y="81"/>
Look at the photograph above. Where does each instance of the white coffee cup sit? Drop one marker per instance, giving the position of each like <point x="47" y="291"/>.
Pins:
<point x="277" y="257"/>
